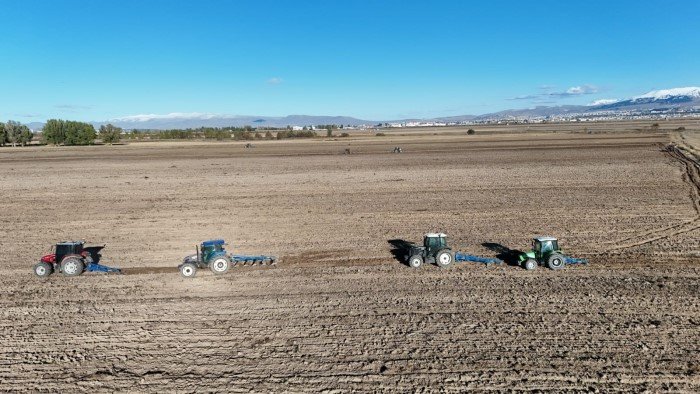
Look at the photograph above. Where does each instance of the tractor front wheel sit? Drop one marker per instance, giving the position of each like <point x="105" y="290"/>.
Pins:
<point x="530" y="264"/>
<point x="188" y="270"/>
<point x="220" y="265"/>
<point x="443" y="258"/>
<point x="72" y="266"/>
<point x="556" y="261"/>
<point x="42" y="269"/>
<point x="415" y="261"/>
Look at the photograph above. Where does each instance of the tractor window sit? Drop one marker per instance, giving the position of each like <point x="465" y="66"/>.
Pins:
<point x="435" y="243"/>
<point x="536" y="246"/>
<point x="546" y="247"/>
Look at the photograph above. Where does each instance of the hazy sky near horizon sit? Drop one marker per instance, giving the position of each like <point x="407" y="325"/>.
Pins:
<point x="374" y="60"/>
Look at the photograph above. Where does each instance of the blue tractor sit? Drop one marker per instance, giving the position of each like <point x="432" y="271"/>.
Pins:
<point x="213" y="255"/>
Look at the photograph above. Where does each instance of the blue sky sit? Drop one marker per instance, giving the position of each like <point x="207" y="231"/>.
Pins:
<point x="376" y="60"/>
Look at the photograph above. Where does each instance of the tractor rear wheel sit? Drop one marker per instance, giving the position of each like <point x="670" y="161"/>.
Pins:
<point x="72" y="266"/>
<point x="415" y="261"/>
<point x="443" y="258"/>
<point x="42" y="269"/>
<point x="556" y="261"/>
<point x="530" y="264"/>
<point x="188" y="270"/>
<point x="220" y="265"/>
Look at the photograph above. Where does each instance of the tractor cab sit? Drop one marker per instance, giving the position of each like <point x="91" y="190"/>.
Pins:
<point x="433" y="242"/>
<point x="212" y="248"/>
<point x="63" y="249"/>
<point x="544" y="246"/>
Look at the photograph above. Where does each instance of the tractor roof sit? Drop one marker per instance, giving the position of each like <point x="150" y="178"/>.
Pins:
<point x="213" y="242"/>
<point x="435" y="235"/>
<point x="545" y="239"/>
<point x="70" y="243"/>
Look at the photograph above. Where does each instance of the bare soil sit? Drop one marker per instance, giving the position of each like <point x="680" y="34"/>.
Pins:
<point x="339" y="312"/>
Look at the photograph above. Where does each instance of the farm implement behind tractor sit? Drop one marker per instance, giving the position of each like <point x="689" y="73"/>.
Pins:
<point x="72" y="259"/>
<point x="545" y="251"/>
<point x="212" y="254"/>
<point x="435" y="250"/>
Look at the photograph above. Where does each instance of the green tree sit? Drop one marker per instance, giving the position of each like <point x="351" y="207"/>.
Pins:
<point x="13" y="130"/>
<point x="25" y="135"/>
<point x="3" y="136"/>
<point x="54" y="131"/>
<point x="329" y="131"/>
<point x="79" y="133"/>
<point x="110" y="134"/>
<point x="268" y="135"/>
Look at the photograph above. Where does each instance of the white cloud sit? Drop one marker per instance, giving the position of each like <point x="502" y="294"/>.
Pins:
<point x="274" y="81"/>
<point x="172" y="115"/>
<point x="576" y="91"/>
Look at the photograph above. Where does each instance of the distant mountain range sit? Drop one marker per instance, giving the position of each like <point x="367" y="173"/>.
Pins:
<point x="667" y="101"/>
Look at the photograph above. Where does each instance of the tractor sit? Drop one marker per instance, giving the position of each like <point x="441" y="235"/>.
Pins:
<point x="545" y="251"/>
<point x="72" y="258"/>
<point x="434" y="250"/>
<point x="212" y="254"/>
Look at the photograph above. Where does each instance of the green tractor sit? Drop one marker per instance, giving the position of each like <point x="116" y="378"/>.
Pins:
<point x="545" y="251"/>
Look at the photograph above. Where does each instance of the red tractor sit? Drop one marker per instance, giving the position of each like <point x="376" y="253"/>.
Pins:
<point x="72" y="259"/>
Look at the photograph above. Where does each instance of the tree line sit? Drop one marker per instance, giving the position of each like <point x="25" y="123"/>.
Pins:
<point x="68" y="132"/>
<point x="14" y="133"/>
<point x="245" y="133"/>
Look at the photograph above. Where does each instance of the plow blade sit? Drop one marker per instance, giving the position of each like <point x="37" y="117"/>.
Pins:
<point x="94" y="267"/>
<point x="252" y="260"/>
<point x="461" y="257"/>
<point x="573" y="260"/>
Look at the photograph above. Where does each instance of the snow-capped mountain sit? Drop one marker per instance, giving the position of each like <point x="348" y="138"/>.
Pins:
<point x="668" y="93"/>
<point x="657" y="99"/>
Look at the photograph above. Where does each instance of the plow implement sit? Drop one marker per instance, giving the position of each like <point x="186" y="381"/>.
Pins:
<point x="574" y="260"/>
<point x="465" y="257"/>
<point x="243" y="260"/>
<point x="94" y="267"/>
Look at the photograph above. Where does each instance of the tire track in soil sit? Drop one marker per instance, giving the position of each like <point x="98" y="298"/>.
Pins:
<point x="691" y="176"/>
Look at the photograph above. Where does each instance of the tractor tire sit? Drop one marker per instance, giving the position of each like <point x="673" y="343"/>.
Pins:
<point x="188" y="270"/>
<point x="530" y="264"/>
<point x="72" y="266"/>
<point x="556" y="261"/>
<point x="444" y="258"/>
<point x="220" y="265"/>
<point x="42" y="269"/>
<point x="415" y="261"/>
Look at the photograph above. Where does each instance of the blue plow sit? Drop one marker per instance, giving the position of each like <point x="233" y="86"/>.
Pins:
<point x="462" y="257"/>
<point x="94" y="267"/>
<point x="261" y="259"/>
<point x="572" y="260"/>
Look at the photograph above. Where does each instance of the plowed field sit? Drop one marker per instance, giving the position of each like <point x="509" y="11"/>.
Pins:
<point x="339" y="312"/>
